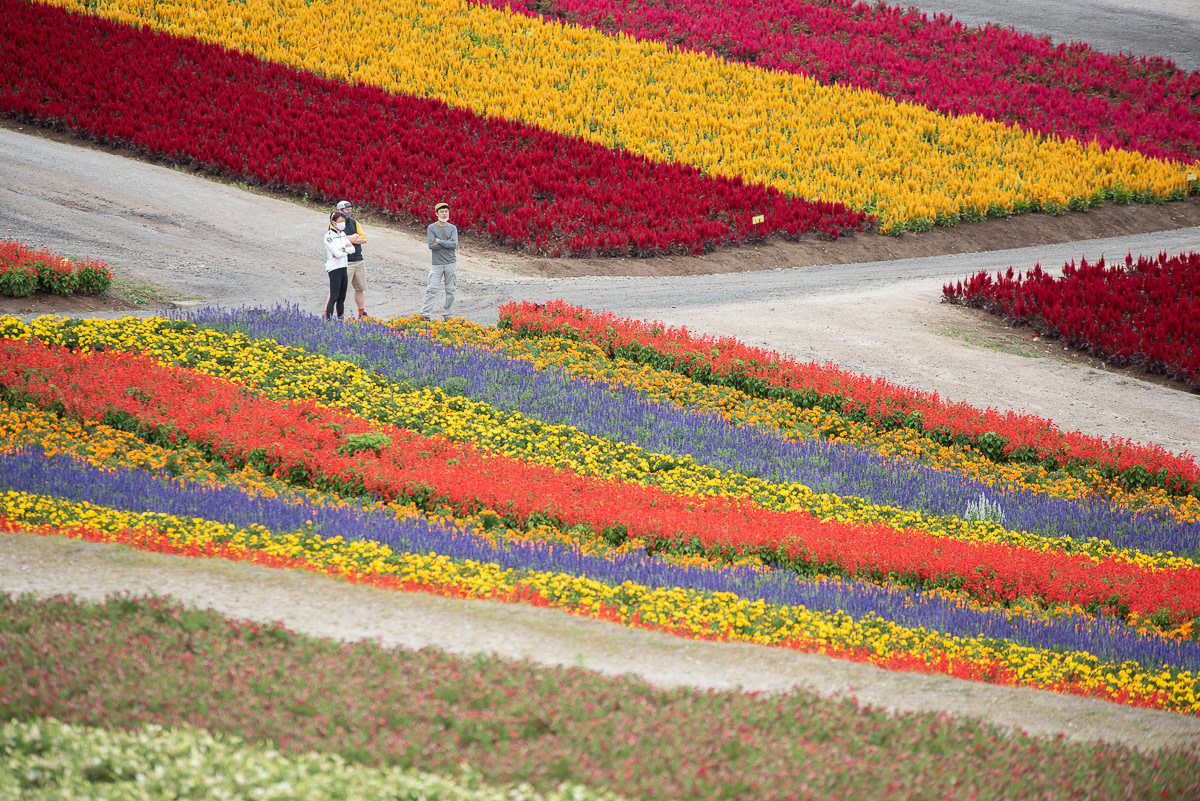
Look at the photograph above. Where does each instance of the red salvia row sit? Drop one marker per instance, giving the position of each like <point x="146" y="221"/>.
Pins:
<point x="304" y="441"/>
<point x="1145" y="312"/>
<point x="728" y="361"/>
<point x="1066" y="90"/>
<point x="229" y="113"/>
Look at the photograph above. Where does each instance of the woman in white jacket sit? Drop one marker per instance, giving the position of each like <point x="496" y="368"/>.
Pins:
<point x="337" y="247"/>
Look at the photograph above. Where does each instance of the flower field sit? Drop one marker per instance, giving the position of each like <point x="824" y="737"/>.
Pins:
<point x="205" y="106"/>
<point x="1005" y="438"/>
<point x="1067" y="90"/>
<point x="489" y="462"/>
<point x="613" y="133"/>
<point x="609" y="468"/>
<point x="1145" y="312"/>
<point x="531" y="467"/>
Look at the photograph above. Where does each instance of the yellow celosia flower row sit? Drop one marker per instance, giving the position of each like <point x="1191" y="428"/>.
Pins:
<point x="910" y="165"/>
<point x="713" y="614"/>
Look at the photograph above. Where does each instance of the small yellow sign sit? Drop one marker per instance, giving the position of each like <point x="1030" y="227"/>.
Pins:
<point x="1191" y="176"/>
<point x="757" y="218"/>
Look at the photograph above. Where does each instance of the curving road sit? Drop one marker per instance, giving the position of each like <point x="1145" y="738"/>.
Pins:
<point x="1167" y="28"/>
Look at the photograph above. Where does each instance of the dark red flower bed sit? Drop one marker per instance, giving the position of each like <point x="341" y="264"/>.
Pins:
<point x="1067" y="90"/>
<point x="232" y="114"/>
<point x="1145" y="312"/>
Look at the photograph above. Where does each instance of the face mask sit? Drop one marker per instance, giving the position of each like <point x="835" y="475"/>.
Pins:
<point x="340" y="226"/>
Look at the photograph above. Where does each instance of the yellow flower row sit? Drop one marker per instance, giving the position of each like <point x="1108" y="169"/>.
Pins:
<point x="911" y="165"/>
<point x="703" y="614"/>
<point x="285" y="372"/>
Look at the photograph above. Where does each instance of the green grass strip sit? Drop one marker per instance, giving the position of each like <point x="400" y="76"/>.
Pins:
<point x="129" y="662"/>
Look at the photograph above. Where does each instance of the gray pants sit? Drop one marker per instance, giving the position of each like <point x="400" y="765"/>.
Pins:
<point x="437" y="274"/>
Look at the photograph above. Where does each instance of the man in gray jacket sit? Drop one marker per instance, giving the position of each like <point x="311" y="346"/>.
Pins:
<point x="442" y="236"/>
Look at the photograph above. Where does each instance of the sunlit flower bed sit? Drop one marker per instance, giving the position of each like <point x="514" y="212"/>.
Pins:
<point x="392" y="458"/>
<point x="583" y="359"/>
<point x="911" y="166"/>
<point x="1002" y="437"/>
<point x="207" y="107"/>
<point x="1065" y="89"/>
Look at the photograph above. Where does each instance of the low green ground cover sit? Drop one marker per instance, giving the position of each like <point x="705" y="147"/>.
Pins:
<point x="130" y="662"/>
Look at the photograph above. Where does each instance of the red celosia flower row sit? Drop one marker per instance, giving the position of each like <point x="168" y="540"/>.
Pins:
<point x="1068" y="90"/>
<point x="24" y="271"/>
<point x="307" y="442"/>
<point x="1145" y="313"/>
<point x="230" y="113"/>
<point x="728" y="361"/>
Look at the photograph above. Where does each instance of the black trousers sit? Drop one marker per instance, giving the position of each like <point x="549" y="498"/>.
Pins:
<point x="339" y="280"/>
